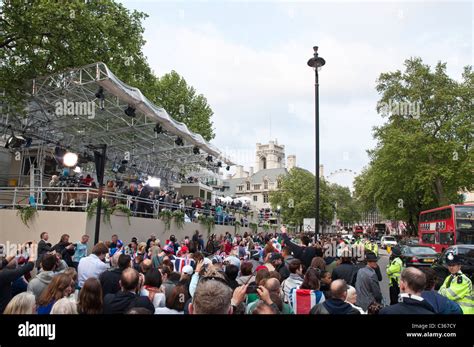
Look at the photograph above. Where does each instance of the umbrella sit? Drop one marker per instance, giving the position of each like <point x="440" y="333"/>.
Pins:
<point x="226" y="199"/>
<point x="243" y="199"/>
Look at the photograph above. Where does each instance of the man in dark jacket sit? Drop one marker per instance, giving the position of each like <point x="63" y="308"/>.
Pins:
<point x="276" y="259"/>
<point x="43" y="247"/>
<point x="66" y="249"/>
<point x="127" y="297"/>
<point x="412" y="284"/>
<point x="9" y="275"/>
<point x="304" y="253"/>
<point x="345" y="271"/>
<point x="337" y="303"/>
<point x="110" y="279"/>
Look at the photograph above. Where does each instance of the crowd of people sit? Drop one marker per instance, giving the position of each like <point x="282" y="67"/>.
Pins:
<point x="264" y="273"/>
<point x="144" y="200"/>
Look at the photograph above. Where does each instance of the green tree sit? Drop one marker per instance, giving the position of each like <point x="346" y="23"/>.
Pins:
<point x="424" y="152"/>
<point x="183" y="104"/>
<point x="346" y="207"/>
<point x="41" y="37"/>
<point x="297" y="198"/>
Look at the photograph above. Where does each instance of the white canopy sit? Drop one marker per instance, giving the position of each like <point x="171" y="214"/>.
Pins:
<point x="152" y="151"/>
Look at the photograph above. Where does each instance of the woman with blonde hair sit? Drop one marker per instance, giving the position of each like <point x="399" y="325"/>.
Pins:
<point x="23" y="303"/>
<point x="64" y="306"/>
<point x="142" y="250"/>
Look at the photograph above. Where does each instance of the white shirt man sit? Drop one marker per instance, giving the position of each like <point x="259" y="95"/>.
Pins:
<point x="93" y="265"/>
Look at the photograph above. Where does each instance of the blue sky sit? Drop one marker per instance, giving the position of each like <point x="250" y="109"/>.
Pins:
<point x="249" y="60"/>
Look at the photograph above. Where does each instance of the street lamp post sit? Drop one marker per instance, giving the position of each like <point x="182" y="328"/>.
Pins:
<point x="316" y="62"/>
<point x="99" y="158"/>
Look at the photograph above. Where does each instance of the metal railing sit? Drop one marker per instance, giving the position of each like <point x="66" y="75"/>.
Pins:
<point x="82" y="199"/>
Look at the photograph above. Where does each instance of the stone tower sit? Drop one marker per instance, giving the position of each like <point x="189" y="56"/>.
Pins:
<point x="269" y="156"/>
<point x="291" y="161"/>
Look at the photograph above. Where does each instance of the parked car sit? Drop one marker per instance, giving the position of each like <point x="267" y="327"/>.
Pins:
<point x="413" y="242"/>
<point x="418" y="255"/>
<point x="465" y="252"/>
<point x="388" y="241"/>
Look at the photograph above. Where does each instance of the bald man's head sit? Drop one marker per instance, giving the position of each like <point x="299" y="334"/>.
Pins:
<point x="146" y="265"/>
<point x="412" y="281"/>
<point x="129" y="279"/>
<point x="338" y="289"/>
<point x="273" y="285"/>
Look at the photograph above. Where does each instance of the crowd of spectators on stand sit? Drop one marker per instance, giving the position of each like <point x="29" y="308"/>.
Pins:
<point x="143" y="200"/>
<point x="260" y="273"/>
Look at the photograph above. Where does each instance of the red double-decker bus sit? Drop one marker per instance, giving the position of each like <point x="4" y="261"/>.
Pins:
<point x="444" y="226"/>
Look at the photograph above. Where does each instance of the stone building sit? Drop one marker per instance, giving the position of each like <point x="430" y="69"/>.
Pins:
<point x="256" y="184"/>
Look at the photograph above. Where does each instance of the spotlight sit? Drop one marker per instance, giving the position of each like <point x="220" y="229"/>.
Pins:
<point x="15" y="141"/>
<point x="179" y="141"/>
<point x="196" y="150"/>
<point x="70" y="159"/>
<point x="227" y="168"/>
<point x="130" y="111"/>
<point x="77" y="169"/>
<point x="158" y="129"/>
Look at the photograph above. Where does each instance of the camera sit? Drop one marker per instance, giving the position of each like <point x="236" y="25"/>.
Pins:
<point x="252" y="288"/>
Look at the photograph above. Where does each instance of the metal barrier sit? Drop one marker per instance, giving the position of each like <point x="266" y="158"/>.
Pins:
<point x="80" y="199"/>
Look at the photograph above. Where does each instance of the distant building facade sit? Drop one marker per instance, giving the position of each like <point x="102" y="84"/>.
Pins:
<point x="270" y="167"/>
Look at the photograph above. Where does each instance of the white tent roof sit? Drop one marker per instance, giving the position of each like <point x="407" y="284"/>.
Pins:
<point x="110" y="125"/>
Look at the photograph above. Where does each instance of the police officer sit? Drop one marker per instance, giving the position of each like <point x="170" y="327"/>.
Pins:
<point x="457" y="286"/>
<point x="394" y="269"/>
<point x="371" y="246"/>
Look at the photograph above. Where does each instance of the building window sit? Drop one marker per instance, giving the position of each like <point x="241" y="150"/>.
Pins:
<point x="256" y="187"/>
<point x="264" y="163"/>
<point x="241" y="188"/>
<point x="248" y="185"/>
<point x="265" y="197"/>
<point x="265" y="184"/>
<point x="255" y="198"/>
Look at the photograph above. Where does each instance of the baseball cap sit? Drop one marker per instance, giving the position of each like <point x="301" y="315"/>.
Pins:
<point x="188" y="269"/>
<point x="233" y="260"/>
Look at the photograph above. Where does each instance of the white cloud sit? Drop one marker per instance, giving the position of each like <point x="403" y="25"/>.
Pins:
<point x="246" y="85"/>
